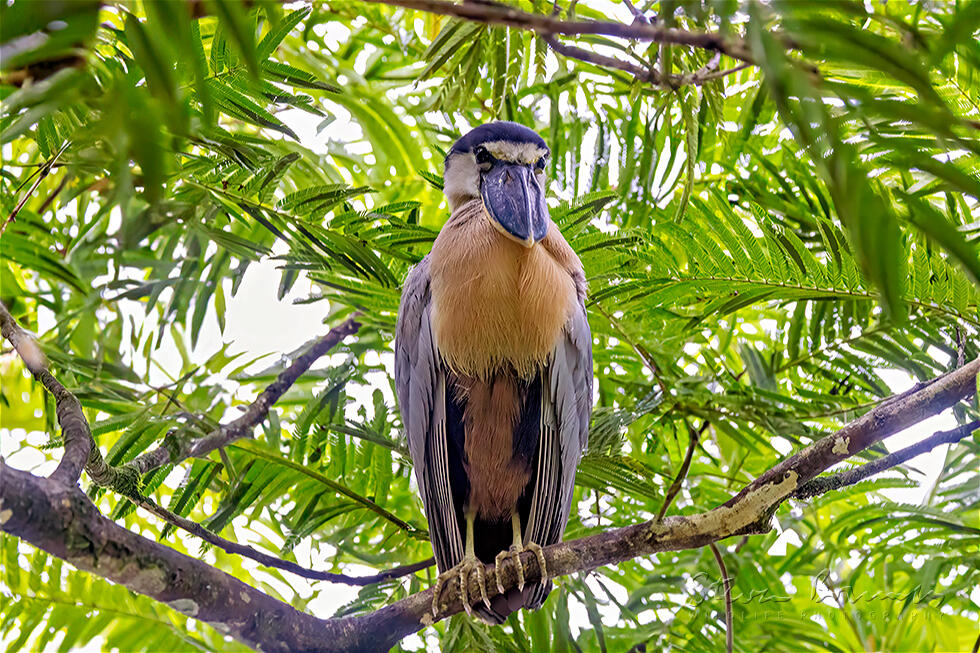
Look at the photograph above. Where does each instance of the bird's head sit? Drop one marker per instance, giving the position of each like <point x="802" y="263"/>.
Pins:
<point x="503" y="164"/>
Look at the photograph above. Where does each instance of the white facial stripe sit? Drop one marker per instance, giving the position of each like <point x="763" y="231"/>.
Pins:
<point x="462" y="179"/>
<point x="528" y="153"/>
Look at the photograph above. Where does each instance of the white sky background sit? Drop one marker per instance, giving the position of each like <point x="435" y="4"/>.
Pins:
<point x="258" y="324"/>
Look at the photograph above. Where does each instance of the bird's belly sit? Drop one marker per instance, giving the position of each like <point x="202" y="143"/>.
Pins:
<point x="497" y="458"/>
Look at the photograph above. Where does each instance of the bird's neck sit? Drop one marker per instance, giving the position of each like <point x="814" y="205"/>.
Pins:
<point x="497" y="304"/>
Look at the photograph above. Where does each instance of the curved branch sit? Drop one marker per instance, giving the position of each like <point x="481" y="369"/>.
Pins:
<point x="64" y="522"/>
<point x="73" y="529"/>
<point x="257" y="411"/>
<point x="75" y="431"/>
<point x="823" y="484"/>
<point x="887" y="418"/>
<point x="268" y="560"/>
<point x="484" y="12"/>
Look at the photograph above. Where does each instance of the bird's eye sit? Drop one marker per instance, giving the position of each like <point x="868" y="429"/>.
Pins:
<point x="481" y="154"/>
<point x="541" y="163"/>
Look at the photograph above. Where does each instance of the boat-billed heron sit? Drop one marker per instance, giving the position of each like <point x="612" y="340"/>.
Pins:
<point x="493" y="369"/>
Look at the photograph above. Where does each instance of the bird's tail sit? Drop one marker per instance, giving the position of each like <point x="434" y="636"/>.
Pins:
<point x="531" y="597"/>
<point x="490" y="538"/>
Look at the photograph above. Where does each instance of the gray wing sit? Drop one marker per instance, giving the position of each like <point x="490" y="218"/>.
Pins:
<point x="566" y="406"/>
<point x="420" y="382"/>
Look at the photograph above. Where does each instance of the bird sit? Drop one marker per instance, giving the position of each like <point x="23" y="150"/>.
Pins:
<point x="493" y="370"/>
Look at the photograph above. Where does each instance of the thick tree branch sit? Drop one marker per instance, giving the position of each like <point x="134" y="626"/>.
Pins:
<point x="60" y="519"/>
<point x="823" y="484"/>
<point x="496" y="14"/>
<point x="50" y="516"/>
<point x="885" y="419"/>
<point x="75" y="431"/>
<point x="64" y="522"/>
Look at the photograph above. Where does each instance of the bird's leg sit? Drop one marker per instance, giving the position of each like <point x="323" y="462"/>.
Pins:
<point x="515" y="553"/>
<point x="469" y="564"/>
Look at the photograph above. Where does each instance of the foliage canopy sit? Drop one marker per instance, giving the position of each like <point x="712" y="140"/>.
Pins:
<point x="764" y="249"/>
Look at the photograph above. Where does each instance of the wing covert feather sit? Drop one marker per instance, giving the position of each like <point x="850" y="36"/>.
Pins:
<point x="566" y="408"/>
<point x="420" y="384"/>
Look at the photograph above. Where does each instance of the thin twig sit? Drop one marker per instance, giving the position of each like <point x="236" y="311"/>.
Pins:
<point x="641" y="73"/>
<point x="960" y="347"/>
<point x="706" y="73"/>
<point x="53" y="194"/>
<point x="256" y="412"/>
<point x="43" y="173"/>
<point x="638" y="15"/>
<point x="729" y="633"/>
<point x="823" y="484"/>
<point x="707" y="77"/>
<point x="675" y="487"/>
<point x="269" y="560"/>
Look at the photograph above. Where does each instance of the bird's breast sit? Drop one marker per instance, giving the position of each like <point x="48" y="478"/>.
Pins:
<point x="496" y="303"/>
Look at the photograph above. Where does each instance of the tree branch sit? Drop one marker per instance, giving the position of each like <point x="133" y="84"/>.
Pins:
<point x="729" y="633"/>
<point x="496" y="14"/>
<point x="573" y="52"/>
<point x="256" y="412"/>
<point x="885" y="419"/>
<point x="61" y="520"/>
<point x="823" y="484"/>
<point x="272" y="561"/>
<point x="42" y="173"/>
<point x="98" y="545"/>
<point x="75" y="431"/>
<point x="705" y="74"/>
<point x="82" y="452"/>
<point x="675" y="487"/>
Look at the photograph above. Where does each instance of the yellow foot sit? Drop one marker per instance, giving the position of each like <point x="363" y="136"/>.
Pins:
<point x="514" y="553"/>
<point x="539" y="553"/>
<point x="468" y="565"/>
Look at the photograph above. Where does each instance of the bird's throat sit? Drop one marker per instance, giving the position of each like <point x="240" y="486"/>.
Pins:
<point x="495" y="303"/>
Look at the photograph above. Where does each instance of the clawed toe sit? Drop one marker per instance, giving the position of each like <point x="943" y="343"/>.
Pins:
<point x="542" y="563"/>
<point x="466" y="567"/>
<point x="497" y="566"/>
<point x="462" y="573"/>
<point x="515" y="553"/>
<point x="437" y="589"/>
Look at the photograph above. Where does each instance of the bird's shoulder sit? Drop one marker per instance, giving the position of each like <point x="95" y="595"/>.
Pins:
<point x="559" y="249"/>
